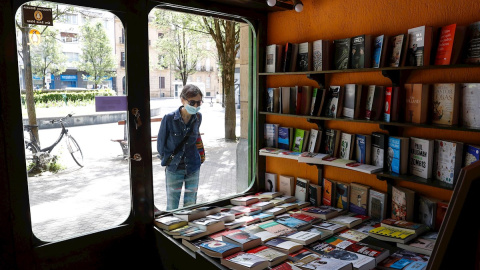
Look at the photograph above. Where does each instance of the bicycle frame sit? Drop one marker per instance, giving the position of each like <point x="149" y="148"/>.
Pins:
<point x="49" y="149"/>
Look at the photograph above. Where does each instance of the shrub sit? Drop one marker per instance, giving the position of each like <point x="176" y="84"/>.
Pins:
<point x="77" y="96"/>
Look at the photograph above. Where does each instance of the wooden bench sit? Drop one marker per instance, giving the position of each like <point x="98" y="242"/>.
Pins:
<point x="124" y="142"/>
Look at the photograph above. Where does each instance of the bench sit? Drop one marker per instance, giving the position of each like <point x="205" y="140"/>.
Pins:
<point x="124" y="142"/>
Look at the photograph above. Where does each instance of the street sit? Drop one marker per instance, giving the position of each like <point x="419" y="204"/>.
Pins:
<point x="79" y="201"/>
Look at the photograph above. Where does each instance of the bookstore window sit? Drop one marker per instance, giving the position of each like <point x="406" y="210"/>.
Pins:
<point x="225" y="138"/>
<point x="71" y="184"/>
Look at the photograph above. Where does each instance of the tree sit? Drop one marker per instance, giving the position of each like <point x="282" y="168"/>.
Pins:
<point x="48" y="56"/>
<point x="180" y="46"/>
<point x="226" y="35"/>
<point x="96" y="58"/>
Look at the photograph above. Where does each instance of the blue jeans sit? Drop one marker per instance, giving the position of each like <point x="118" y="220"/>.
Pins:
<point x="174" y="183"/>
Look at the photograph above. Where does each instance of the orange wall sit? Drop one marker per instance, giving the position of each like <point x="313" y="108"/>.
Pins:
<point x="335" y="19"/>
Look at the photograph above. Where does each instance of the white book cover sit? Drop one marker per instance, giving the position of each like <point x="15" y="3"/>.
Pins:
<point x="313" y="140"/>
<point x="349" y="101"/>
<point x="345" y="219"/>
<point x="345" y="145"/>
<point x="377" y="205"/>
<point x="445" y="160"/>
<point x="421" y="157"/>
<point x="358" y="260"/>
<point x="316" y="262"/>
<point x="317" y="55"/>
<point x="302" y="235"/>
<point x="314" y="158"/>
<point x="329" y="226"/>
<point x="301" y="189"/>
<point x="270" y="182"/>
<point x="369" y="102"/>
<point x="265" y="235"/>
<point x="471" y="105"/>
<point x="271" y="55"/>
<point x="247" y="259"/>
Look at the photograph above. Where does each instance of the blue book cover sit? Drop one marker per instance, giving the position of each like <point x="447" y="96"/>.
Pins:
<point x="360" y="150"/>
<point x="377" y="51"/>
<point x="291" y="222"/>
<point x="275" y="242"/>
<point x="472" y="155"/>
<point x="270" y="100"/>
<point x="262" y="216"/>
<point x="394" y="154"/>
<point x="284" y="138"/>
<point x="218" y="246"/>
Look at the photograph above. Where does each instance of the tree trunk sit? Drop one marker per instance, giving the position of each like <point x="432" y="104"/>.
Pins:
<point x="28" y="79"/>
<point x="230" y="112"/>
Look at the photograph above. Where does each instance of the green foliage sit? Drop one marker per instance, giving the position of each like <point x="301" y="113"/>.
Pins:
<point x="48" y="56"/>
<point x="75" y="97"/>
<point x="97" y="57"/>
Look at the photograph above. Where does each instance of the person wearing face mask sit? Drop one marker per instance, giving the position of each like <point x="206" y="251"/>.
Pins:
<point x="177" y="150"/>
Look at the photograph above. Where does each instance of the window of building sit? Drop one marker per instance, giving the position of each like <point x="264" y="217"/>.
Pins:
<point x="72" y="56"/>
<point x="207" y="83"/>
<point x="162" y="82"/>
<point x="122" y="59"/>
<point x="70" y="18"/>
<point x="121" y="39"/>
<point x="69" y="37"/>
<point x="207" y="64"/>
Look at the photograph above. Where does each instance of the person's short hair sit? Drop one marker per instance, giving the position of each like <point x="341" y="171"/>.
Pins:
<point x="190" y="91"/>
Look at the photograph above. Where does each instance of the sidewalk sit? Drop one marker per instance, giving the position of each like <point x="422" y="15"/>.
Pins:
<point x="96" y="197"/>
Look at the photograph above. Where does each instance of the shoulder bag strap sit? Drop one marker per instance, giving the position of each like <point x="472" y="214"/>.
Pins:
<point x="179" y="146"/>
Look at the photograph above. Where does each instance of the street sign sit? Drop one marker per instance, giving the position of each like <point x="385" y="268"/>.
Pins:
<point x="34" y="37"/>
<point x="37" y="15"/>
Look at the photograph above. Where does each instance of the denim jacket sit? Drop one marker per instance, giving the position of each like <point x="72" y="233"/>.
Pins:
<point x="171" y="133"/>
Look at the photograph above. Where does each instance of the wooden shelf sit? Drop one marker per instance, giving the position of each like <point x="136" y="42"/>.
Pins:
<point x="398" y="124"/>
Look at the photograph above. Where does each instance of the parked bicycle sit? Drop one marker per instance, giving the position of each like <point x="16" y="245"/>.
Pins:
<point x="36" y="156"/>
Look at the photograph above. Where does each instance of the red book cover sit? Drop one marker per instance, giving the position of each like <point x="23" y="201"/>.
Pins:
<point x="445" y="45"/>
<point x="388" y="104"/>
<point x="303" y="217"/>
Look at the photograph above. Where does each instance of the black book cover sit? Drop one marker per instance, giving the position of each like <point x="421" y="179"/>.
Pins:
<point x="379" y="144"/>
<point x="287" y="57"/>
<point x="318" y="101"/>
<point x="360" y="56"/>
<point x="331" y="104"/>
<point x="313" y="192"/>
<point x="342" y="53"/>
<point x="329" y="144"/>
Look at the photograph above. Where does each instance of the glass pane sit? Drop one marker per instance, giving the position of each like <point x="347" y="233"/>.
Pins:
<point x="71" y="76"/>
<point x="224" y="112"/>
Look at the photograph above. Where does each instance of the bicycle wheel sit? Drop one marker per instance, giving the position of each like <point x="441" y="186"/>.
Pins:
<point x="31" y="158"/>
<point x="75" y="150"/>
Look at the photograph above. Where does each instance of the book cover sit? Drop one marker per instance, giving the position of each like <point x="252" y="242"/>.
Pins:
<point x="270" y="182"/>
<point x="472" y="154"/>
<point x="330" y="227"/>
<point x="328" y="192"/>
<point x="445" y="44"/>
<point x="317" y="262"/>
<point x="298" y="100"/>
<point x="342" y="195"/>
<point x="269" y="101"/>
<point x="271" y="58"/>
<point x="379" y="51"/>
<point x="332" y="103"/>
<point x="298" y="140"/>
<point x="421" y="244"/>
<point x="445" y="103"/>
<point x="397" y="156"/>
<point x="322" y="96"/>
<point x="361" y="52"/>
<point x="314" y="141"/>
<point x="377" y="205"/>
<point x="358" y="260"/>
<point x="286" y="185"/>
<point x="473" y="43"/>
<point x="352" y="234"/>
<point x="349" y="101"/>
<point x="285" y="100"/>
<point x="332" y="141"/>
<point x="363" y="144"/>
<point x="471" y="105"/>
<point x="346" y="145"/>
<point x="359" y="198"/>
<point x="304" y="58"/>
<point x="379" y="144"/>
<point x="314" y="99"/>
<point x="291" y="222"/>
<point x="271" y="135"/>
<point x="346" y="220"/>
<point x="321" y="55"/>
<point x="402" y="203"/>
<point x="301" y="189"/>
<point x="293" y="60"/>
<point x="419" y="46"/>
<point x="447" y="161"/>
<point x="284" y="245"/>
<point x="273" y="256"/>
<point x="427" y="210"/>
<point x="342" y="53"/>
<point x="219" y="247"/>
<point x="397" y="110"/>
<point x="421" y="157"/>
<point x="374" y="102"/>
<point x="387" y="113"/>
<point x="287" y="57"/>
<point x="303" y="237"/>
<point x="396" y="45"/>
<point x="315" y="194"/>
<point x="416" y="101"/>
<point x="306" y="100"/>
<point x="244" y="260"/>
<point x="293" y="99"/>
<point x="284" y="138"/>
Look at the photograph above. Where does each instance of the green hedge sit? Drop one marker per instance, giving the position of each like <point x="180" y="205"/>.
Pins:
<point x="45" y="97"/>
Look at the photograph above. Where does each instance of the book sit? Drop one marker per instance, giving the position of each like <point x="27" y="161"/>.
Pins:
<point x="210" y="209"/>
<point x="328" y="194"/>
<point x="288" y="206"/>
<point x="208" y="224"/>
<point x="275" y="227"/>
<point x="243" y="239"/>
<point x="394" y="106"/>
<point x="363" y="146"/>
<point x="169" y="222"/>
<point x="379" y="51"/>
<point x="472" y="154"/>
<point x="270" y="182"/>
<point x="246" y="210"/>
<point x="293" y="223"/>
<point x="190" y="215"/>
<point x="415" y="228"/>
<point x="377" y="205"/>
<point x="246" y="200"/>
<point x="472" y="42"/>
<point x="274" y="56"/>
<point x="271" y="135"/>
<point x="403" y="200"/>
<point x="330" y="227"/>
<point x="306" y="100"/>
<point x="333" y="106"/>
<point x="283" y="245"/>
<point x="287" y="265"/>
<point x="298" y="140"/>
<point x="419" y="46"/>
<point x="286" y="100"/>
<point x="302" y="237"/>
<point x="298" y="99"/>
<point x="365" y="168"/>
<point x="286" y="185"/>
<point x="304" y="58"/>
<point x="315" y="140"/>
<point x="427" y="210"/>
<point x="352" y="101"/>
<point x="404" y="259"/>
<point x="287" y="57"/>
<point x="273" y="100"/>
<point x="396" y="48"/>
<point x="321" y="55"/>
<point x="450" y="44"/>
<point x="359" y="261"/>
<point x="331" y="144"/>
<point x="189" y="232"/>
<point x="391" y="235"/>
<point x="301" y="189"/>
<point x="293" y="61"/>
<point x="259" y="232"/>
<point x="263" y="205"/>
<point x="421" y="157"/>
<point x="442" y="207"/>
<point x="361" y="49"/>
<point x="423" y="244"/>
<point x="342" y="53"/>
<point x="315" y="194"/>
<point x="351" y="234"/>
<point x="244" y="261"/>
<point x="273" y="256"/>
<point x="223" y="216"/>
<point x="306" y="218"/>
<point x="379" y="144"/>
<point x="323" y="212"/>
<point x="359" y="198"/>
<point x="447" y="161"/>
<point x="416" y="97"/>
<point x="317" y="262"/>
<point x="374" y="102"/>
<point x="285" y="199"/>
<point x="397" y="155"/>
<point x="348" y="221"/>
<point x="318" y="110"/>
<point x="285" y="137"/>
<point x="219" y="249"/>
<point x="346" y="145"/>
<point x="470" y="105"/>
<point x="446" y="99"/>
<point x="378" y="253"/>
<point x="342" y="195"/>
